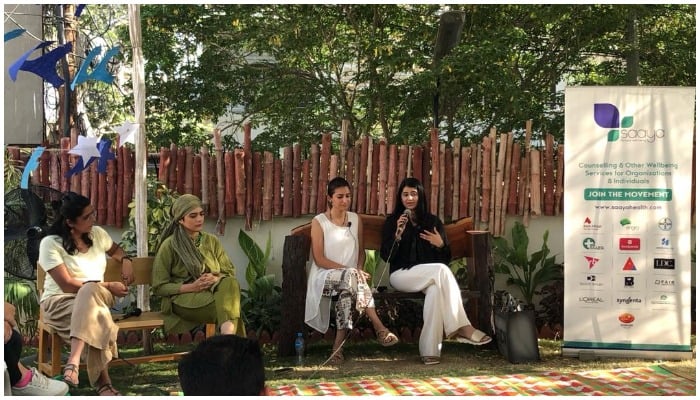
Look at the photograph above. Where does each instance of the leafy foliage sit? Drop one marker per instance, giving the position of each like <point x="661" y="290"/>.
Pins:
<point x="528" y="274"/>
<point x="12" y="174"/>
<point x="159" y="201"/>
<point x="261" y="303"/>
<point x="297" y="70"/>
<point x="22" y="294"/>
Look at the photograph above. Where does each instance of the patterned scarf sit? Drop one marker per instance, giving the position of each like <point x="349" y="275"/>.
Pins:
<point x="182" y="243"/>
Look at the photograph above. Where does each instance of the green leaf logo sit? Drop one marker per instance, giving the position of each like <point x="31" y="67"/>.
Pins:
<point x="627" y="122"/>
<point x="613" y="135"/>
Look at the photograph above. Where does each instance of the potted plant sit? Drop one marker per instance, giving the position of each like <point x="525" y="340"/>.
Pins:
<point x="527" y="273"/>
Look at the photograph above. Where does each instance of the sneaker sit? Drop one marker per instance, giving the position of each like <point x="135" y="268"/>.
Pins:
<point x="40" y="385"/>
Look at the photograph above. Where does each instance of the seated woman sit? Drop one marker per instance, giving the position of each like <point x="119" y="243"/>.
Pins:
<point x="75" y="301"/>
<point x="337" y="268"/>
<point x="415" y="245"/>
<point x="194" y="275"/>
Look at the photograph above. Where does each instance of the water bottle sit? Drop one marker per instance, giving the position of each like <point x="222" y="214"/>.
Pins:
<point x="299" y="347"/>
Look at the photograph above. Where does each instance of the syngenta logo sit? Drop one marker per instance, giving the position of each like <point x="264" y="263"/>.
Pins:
<point x="607" y="116"/>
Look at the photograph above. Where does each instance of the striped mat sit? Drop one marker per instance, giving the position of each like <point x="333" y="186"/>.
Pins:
<point x="642" y="381"/>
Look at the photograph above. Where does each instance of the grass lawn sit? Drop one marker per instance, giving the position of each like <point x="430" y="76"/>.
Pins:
<point x="369" y="360"/>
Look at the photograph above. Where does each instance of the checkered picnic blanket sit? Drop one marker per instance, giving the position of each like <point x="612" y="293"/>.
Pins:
<point x="642" y="381"/>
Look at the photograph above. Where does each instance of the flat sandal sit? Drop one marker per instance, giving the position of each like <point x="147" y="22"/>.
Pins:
<point x="72" y="370"/>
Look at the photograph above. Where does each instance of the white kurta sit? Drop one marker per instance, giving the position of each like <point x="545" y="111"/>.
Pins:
<point x="339" y="245"/>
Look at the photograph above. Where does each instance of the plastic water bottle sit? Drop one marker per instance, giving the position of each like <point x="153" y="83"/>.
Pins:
<point x="299" y="347"/>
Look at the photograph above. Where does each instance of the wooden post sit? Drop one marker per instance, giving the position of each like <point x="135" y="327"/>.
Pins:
<point x="485" y="179"/>
<point x="268" y="171"/>
<point x="296" y="180"/>
<point x="456" y="156"/>
<point x="313" y="200"/>
<point x="465" y="183"/>
<point x="447" y="188"/>
<point x="373" y="171"/>
<point x="549" y="175"/>
<point x="180" y="172"/>
<point x="257" y="187"/>
<point x="277" y="187"/>
<point x="288" y="198"/>
<point x="65" y="163"/>
<point x="559" y="194"/>
<point x="240" y="180"/>
<point x="213" y="187"/>
<point x="197" y="175"/>
<point x="362" y="176"/>
<point x="230" y="187"/>
<point x="172" y="168"/>
<point x="296" y="252"/>
<point x="220" y="182"/>
<point x="163" y="165"/>
<point x="111" y="201"/>
<point x="187" y="184"/>
<point x="417" y="163"/>
<point x="305" y="186"/>
<point x="204" y="160"/>
<point x="323" y="171"/>
<point x="391" y="184"/>
<point x="248" y="176"/>
<point x="514" y="175"/>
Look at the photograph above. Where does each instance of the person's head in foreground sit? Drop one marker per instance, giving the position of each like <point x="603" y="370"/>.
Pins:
<point x="223" y="365"/>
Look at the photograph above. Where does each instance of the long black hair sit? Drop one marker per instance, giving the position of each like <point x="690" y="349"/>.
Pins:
<point x="71" y="206"/>
<point x="421" y="209"/>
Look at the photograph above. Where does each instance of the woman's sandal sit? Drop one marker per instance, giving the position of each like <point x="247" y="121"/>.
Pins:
<point x="386" y="338"/>
<point x="337" y="357"/>
<point x="430" y="360"/>
<point x="70" y="375"/>
<point x="108" y="390"/>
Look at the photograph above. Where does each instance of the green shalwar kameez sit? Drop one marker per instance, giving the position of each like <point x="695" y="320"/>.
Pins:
<point x="184" y="311"/>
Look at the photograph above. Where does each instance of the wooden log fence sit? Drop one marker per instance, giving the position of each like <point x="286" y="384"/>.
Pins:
<point x="485" y="181"/>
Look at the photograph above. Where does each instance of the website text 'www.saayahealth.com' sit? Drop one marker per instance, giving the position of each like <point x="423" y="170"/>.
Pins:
<point x="629" y="207"/>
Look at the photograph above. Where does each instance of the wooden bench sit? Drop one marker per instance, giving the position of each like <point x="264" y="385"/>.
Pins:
<point x="50" y="343"/>
<point x="464" y="242"/>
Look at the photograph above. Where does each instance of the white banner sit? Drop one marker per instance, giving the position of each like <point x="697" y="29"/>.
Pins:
<point x="628" y="177"/>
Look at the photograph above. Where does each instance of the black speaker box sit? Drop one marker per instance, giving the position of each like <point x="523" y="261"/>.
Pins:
<point x="516" y="335"/>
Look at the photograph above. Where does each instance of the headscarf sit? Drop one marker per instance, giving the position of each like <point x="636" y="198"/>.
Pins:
<point x="182" y="243"/>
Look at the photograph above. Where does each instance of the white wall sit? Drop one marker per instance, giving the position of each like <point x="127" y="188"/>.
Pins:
<point x="24" y="102"/>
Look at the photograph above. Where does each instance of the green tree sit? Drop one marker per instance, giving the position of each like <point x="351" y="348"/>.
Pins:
<point x="298" y="70"/>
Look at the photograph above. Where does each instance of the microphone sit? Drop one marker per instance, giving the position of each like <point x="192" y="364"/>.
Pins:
<point x="133" y="313"/>
<point x="401" y="227"/>
<point x="349" y="224"/>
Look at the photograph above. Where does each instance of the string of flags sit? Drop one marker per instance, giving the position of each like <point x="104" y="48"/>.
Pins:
<point x="88" y="149"/>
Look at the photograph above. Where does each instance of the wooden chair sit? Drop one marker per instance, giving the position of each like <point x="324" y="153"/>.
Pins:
<point x="50" y="341"/>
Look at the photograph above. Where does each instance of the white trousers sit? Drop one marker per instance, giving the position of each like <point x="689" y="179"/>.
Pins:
<point x="443" y="311"/>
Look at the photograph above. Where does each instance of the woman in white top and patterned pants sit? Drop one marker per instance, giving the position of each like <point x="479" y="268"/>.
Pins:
<point x="337" y="268"/>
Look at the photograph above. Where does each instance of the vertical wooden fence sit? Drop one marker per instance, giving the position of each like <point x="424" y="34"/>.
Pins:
<point x="485" y="181"/>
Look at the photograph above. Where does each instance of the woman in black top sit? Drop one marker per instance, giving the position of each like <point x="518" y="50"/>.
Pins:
<point x="415" y="245"/>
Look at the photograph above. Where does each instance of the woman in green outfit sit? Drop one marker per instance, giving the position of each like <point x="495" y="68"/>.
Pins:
<point x="194" y="275"/>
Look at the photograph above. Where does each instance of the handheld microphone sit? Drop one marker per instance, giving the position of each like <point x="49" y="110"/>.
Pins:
<point x="399" y="230"/>
<point x="133" y="313"/>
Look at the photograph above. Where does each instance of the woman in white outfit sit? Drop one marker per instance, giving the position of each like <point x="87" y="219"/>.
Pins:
<point x="337" y="268"/>
<point x="415" y="245"/>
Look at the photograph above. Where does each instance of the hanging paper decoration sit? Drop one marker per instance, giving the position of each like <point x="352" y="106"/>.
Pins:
<point x="105" y="155"/>
<point x="14" y="33"/>
<point x="44" y="66"/>
<point x="79" y="10"/>
<point x="86" y="150"/>
<point x="31" y="166"/>
<point x="100" y="72"/>
<point x="127" y="132"/>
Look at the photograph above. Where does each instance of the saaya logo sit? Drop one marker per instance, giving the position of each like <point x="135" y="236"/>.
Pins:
<point x="607" y="116"/>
